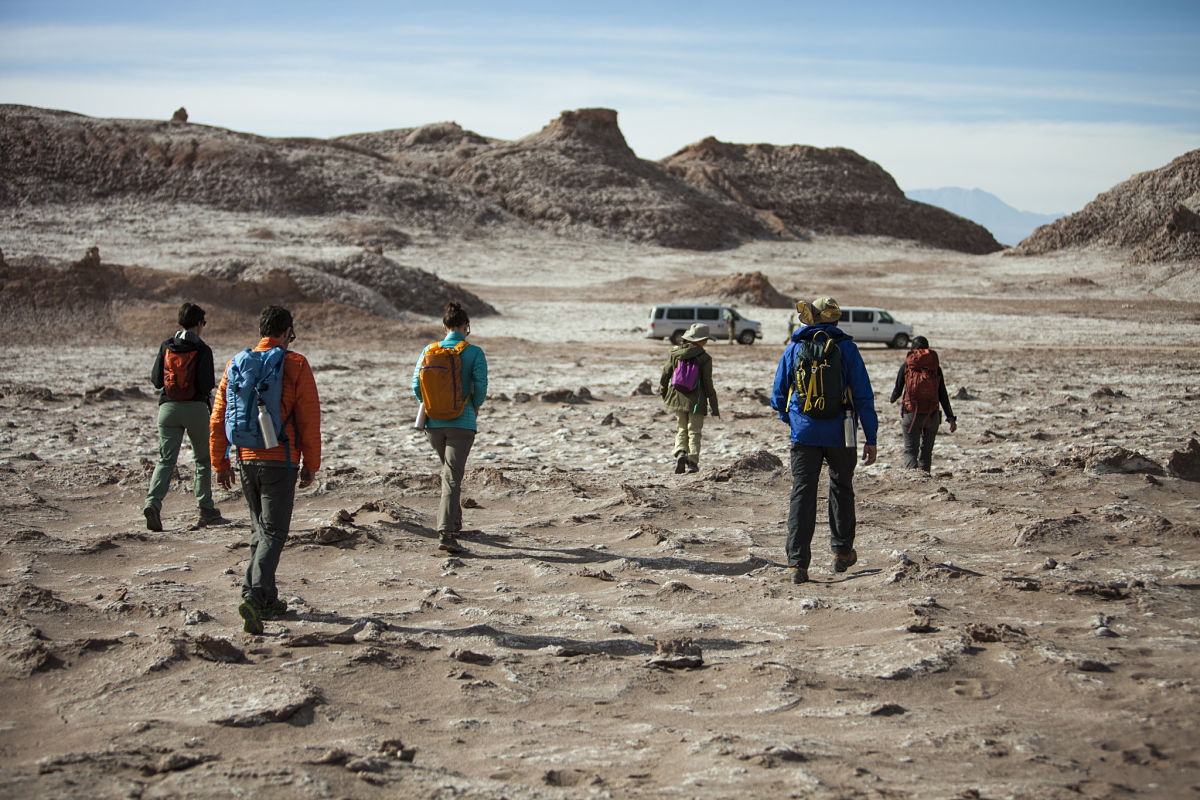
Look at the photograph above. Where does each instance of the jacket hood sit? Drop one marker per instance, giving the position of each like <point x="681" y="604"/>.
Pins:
<point x="808" y="331"/>
<point x="687" y="350"/>
<point x="183" y="341"/>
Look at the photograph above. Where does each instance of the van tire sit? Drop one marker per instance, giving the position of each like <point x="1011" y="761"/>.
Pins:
<point x="677" y="337"/>
<point x="900" y="342"/>
<point x="747" y="337"/>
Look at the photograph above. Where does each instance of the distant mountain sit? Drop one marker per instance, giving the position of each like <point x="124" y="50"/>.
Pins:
<point x="1006" y="223"/>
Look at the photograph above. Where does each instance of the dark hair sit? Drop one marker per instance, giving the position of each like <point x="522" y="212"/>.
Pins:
<point x="920" y="343"/>
<point x="274" y="321"/>
<point x="190" y="315"/>
<point x="455" y="316"/>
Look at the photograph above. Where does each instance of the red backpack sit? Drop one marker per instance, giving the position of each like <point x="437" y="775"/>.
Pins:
<point x="921" y="382"/>
<point x="179" y="374"/>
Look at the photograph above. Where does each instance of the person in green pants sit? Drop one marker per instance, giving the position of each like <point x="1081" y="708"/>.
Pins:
<point x="183" y="373"/>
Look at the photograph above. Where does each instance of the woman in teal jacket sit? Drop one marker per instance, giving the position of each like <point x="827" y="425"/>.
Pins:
<point x="452" y="438"/>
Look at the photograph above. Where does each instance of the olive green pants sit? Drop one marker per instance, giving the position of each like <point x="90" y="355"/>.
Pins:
<point x="175" y="418"/>
<point x="688" y="427"/>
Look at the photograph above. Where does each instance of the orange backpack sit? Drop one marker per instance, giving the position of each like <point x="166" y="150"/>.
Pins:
<point x="179" y="375"/>
<point x="440" y="379"/>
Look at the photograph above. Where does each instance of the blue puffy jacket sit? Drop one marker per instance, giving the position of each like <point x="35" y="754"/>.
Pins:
<point x="825" y="432"/>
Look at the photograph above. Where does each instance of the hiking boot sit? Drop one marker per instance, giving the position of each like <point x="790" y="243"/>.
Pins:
<point x="841" y="563"/>
<point x="251" y="618"/>
<point x="153" y="520"/>
<point x="681" y="464"/>
<point x="798" y="575"/>
<point x="274" y="610"/>
<point x="210" y="516"/>
<point x="448" y="542"/>
<point x="692" y="466"/>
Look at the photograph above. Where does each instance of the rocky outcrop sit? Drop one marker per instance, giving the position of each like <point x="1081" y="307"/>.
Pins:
<point x="751" y="288"/>
<point x="438" y="148"/>
<point x="1152" y="216"/>
<point x="798" y="190"/>
<point x="579" y="172"/>
<point x="577" y="176"/>
<point x="58" y="157"/>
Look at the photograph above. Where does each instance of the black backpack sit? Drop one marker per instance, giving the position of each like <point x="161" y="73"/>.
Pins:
<point x="818" y="378"/>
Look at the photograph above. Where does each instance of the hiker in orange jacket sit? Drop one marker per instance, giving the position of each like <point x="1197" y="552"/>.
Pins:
<point x="269" y="475"/>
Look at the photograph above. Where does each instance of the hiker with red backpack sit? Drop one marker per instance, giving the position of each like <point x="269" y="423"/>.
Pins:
<point x="266" y="418"/>
<point x="686" y="388"/>
<point x="450" y="380"/>
<point x="923" y="387"/>
<point x="823" y="392"/>
<point x="183" y="371"/>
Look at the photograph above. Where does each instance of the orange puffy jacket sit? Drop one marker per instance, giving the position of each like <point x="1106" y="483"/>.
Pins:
<point x="303" y="430"/>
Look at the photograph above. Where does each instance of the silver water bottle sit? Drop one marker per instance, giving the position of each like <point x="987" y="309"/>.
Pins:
<point x="267" y="426"/>
<point x="849" y="429"/>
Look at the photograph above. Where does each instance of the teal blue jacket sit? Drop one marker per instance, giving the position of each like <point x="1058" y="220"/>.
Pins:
<point x="474" y="367"/>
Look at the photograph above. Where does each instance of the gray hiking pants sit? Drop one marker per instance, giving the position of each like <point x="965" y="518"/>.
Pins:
<point x="452" y="446"/>
<point x="270" y="491"/>
<point x="918" y="438"/>
<point x="807" y="462"/>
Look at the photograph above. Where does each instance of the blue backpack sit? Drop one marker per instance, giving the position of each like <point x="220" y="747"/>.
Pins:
<point x="254" y="377"/>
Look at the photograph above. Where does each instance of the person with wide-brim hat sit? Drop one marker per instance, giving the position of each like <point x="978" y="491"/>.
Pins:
<point x="686" y="388"/>
<point x="823" y="392"/>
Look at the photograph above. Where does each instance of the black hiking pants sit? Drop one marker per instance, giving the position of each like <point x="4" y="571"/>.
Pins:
<point x="270" y="492"/>
<point x="807" y="462"/>
<point x="918" y="438"/>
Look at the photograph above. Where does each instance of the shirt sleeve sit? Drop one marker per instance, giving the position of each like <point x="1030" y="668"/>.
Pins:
<point x="156" y="372"/>
<point x="479" y="379"/>
<point x="899" y="388"/>
<point x="943" y="397"/>
<point x="783" y="382"/>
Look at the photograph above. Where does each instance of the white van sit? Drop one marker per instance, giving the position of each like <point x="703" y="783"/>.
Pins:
<point x="671" y="322"/>
<point x="874" y="325"/>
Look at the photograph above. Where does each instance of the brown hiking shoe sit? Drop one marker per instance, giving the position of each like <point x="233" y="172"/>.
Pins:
<point x="798" y="575"/>
<point x="448" y="542"/>
<point x="841" y="563"/>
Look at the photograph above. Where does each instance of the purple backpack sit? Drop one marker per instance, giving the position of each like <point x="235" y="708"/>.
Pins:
<point x="687" y="373"/>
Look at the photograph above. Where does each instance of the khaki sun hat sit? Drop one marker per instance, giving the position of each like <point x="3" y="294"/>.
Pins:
<point x="697" y="333"/>
<point x="826" y="309"/>
<point x="804" y="311"/>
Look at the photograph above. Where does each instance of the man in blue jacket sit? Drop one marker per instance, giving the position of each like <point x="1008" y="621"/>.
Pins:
<point x="821" y="435"/>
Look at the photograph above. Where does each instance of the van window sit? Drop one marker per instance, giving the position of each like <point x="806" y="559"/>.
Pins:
<point x="680" y="313"/>
<point x="707" y="313"/>
<point x="886" y="318"/>
<point x="657" y="313"/>
<point x="862" y="316"/>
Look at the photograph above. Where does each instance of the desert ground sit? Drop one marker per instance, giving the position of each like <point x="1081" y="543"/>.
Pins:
<point x="1022" y="623"/>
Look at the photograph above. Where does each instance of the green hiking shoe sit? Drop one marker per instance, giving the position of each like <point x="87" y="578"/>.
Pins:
<point x="251" y="619"/>
<point x="210" y="516"/>
<point x="798" y="575"/>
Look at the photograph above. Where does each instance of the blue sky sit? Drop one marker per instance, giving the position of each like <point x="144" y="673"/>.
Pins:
<point x="1043" y="104"/>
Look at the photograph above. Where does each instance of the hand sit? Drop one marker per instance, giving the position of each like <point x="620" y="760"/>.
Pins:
<point x="306" y="477"/>
<point x="225" y="479"/>
<point x="868" y="456"/>
<point x="953" y="425"/>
